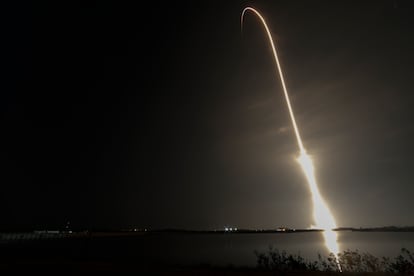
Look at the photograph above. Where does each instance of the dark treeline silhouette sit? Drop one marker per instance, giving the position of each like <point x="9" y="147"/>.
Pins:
<point x="349" y="261"/>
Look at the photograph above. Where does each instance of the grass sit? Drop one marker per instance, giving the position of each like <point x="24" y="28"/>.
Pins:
<point x="350" y="262"/>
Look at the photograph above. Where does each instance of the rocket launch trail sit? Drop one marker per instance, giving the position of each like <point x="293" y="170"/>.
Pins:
<point x="322" y="216"/>
<point x="279" y="68"/>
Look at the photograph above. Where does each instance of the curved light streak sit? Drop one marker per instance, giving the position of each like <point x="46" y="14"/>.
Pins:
<point x="322" y="216"/>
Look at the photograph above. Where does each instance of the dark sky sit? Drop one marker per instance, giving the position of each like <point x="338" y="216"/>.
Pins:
<point x="117" y="115"/>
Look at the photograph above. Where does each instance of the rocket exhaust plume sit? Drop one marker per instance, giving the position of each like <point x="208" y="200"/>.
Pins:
<point x="322" y="216"/>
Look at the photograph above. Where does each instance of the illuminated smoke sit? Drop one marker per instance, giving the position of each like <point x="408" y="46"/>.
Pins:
<point x="321" y="214"/>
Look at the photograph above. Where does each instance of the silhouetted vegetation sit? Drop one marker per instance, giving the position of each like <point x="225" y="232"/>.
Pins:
<point x="348" y="260"/>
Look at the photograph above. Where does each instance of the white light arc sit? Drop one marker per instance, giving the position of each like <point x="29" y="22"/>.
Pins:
<point x="322" y="216"/>
<point x="279" y="68"/>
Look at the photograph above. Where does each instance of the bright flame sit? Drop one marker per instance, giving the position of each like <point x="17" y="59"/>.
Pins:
<point x="321" y="213"/>
<point x="322" y="216"/>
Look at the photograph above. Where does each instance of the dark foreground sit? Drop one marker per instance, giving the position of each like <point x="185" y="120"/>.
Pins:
<point x="121" y="255"/>
<point x="101" y="268"/>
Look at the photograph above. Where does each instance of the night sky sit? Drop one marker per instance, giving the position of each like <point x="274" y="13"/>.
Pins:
<point x="118" y="115"/>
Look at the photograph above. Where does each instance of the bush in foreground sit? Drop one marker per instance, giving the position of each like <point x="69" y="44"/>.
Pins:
<point x="348" y="261"/>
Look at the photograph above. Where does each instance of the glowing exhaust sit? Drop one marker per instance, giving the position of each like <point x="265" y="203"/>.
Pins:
<point x="322" y="216"/>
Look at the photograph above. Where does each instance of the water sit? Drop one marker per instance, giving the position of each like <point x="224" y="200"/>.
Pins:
<point x="213" y="249"/>
<point x="238" y="249"/>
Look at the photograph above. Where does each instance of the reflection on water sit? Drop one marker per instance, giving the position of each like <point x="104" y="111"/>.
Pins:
<point x="238" y="249"/>
<point x="216" y="249"/>
<point x="331" y="242"/>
